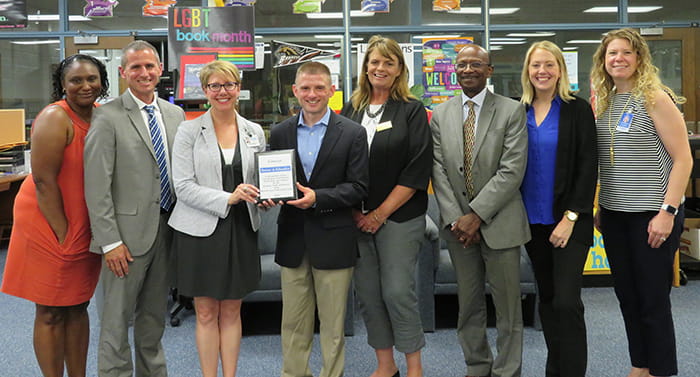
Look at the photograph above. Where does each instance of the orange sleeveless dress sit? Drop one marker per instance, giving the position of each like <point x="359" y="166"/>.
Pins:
<point x="38" y="268"/>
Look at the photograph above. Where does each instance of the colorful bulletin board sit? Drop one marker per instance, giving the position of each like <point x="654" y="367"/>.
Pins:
<point x="439" y="77"/>
<point x="227" y="32"/>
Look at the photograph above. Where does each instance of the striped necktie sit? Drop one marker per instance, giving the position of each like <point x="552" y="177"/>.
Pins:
<point x="469" y="148"/>
<point x="166" y="199"/>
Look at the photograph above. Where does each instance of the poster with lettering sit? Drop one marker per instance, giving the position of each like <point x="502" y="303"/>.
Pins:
<point x="439" y="76"/>
<point x="13" y="14"/>
<point x="228" y="32"/>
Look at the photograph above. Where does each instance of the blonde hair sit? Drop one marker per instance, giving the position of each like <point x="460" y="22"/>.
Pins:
<point x="563" y="88"/>
<point x="221" y="67"/>
<point x="389" y="49"/>
<point x="646" y="77"/>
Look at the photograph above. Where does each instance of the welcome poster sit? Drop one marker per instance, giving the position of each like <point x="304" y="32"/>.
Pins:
<point x="227" y="32"/>
<point x="439" y="76"/>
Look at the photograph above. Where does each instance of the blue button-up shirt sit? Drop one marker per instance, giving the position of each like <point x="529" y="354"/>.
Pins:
<point x="538" y="184"/>
<point x="309" y="139"/>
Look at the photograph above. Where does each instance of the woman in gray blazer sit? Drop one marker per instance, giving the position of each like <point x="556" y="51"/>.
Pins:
<point x="215" y="217"/>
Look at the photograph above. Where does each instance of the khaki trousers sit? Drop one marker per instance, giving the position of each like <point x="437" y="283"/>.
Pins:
<point x="303" y="289"/>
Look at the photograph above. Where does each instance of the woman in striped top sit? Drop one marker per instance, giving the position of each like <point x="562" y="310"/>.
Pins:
<point x="645" y="163"/>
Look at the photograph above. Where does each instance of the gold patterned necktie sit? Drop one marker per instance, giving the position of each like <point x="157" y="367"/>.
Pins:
<point x="469" y="147"/>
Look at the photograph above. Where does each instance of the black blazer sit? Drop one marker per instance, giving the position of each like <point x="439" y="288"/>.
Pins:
<point x="400" y="155"/>
<point x="576" y="171"/>
<point x="327" y="232"/>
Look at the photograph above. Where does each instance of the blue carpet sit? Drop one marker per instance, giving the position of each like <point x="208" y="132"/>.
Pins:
<point x="261" y="354"/>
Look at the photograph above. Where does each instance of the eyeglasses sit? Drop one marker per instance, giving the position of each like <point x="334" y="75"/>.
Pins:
<point x="229" y="86"/>
<point x="474" y="65"/>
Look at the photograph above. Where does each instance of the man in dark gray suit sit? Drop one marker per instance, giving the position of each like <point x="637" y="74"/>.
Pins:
<point x="129" y="195"/>
<point x="479" y="159"/>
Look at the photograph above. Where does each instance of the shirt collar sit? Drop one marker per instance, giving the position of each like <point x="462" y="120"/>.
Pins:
<point x="140" y="103"/>
<point x="323" y="122"/>
<point x="478" y="99"/>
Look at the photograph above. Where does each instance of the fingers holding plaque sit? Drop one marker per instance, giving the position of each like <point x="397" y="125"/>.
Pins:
<point x="276" y="175"/>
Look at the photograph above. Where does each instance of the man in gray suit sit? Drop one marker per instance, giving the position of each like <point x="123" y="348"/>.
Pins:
<point x="129" y="195"/>
<point x="479" y="153"/>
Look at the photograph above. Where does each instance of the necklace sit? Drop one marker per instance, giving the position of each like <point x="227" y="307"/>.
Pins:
<point x="612" y="129"/>
<point x="373" y="115"/>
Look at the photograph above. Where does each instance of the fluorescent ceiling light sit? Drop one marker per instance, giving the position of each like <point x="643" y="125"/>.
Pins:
<point x="44" y="42"/>
<point x="326" y="44"/>
<point x="584" y="41"/>
<point x="495" y="48"/>
<point x="54" y="17"/>
<point x="258" y="37"/>
<point x="569" y="48"/>
<point x="444" y="36"/>
<point x="477" y="10"/>
<point x="338" y="15"/>
<point x="506" y="40"/>
<point x="335" y="36"/>
<point x="535" y="34"/>
<point x="509" y="42"/>
<point x="160" y="29"/>
<point x="629" y="9"/>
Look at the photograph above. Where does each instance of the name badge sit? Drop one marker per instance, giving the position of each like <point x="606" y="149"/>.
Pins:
<point x="251" y="140"/>
<point x="625" y="121"/>
<point x="384" y="126"/>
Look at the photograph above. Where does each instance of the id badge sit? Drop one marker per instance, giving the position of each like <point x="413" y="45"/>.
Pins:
<point x="252" y="140"/>
<point x="625" y="121"/>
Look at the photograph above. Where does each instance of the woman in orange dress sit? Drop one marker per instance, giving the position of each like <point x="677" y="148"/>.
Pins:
<point x="48" y="261"/>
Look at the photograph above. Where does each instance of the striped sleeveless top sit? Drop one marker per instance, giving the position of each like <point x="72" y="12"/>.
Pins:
<point x="637" y="177"/>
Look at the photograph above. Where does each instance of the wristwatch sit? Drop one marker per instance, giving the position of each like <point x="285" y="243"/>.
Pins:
<point x="571" y="215"/>
<point x="670" y="209"/>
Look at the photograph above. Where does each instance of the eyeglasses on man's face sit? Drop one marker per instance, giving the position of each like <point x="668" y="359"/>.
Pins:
<point x="229" y="86"/>
<point x="473" y="65"/>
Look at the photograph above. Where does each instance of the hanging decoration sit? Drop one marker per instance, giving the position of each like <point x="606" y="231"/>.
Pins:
<point x="376" y="6"/>
<point x="99" y="8"/>
<point x="231" y="3"/>
<point x="284" y="54"/>
<point x="157" y="8"/>
<point x="307" y="6"/>
<point x="446" y="5"/>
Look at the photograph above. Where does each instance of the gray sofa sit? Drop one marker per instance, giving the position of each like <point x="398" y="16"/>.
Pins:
<point x="443" y="281"/>
<point x="270" y="288"/>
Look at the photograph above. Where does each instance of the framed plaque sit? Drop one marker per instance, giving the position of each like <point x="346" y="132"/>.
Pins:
<point x="276" y="174"/>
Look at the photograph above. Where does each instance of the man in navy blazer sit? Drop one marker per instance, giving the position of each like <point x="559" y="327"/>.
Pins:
<point x="316" y="238"/>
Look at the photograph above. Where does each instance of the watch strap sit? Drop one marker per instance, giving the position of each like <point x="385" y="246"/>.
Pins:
<point x="670" y="209"/>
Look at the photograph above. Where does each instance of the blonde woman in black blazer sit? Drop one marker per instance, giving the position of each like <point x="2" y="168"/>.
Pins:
<point x="558" y="191"/>
<point x="392" y="218"/>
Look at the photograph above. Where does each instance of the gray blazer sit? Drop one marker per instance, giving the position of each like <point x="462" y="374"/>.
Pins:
<point x="498" y="167"/>
<point x="122" y="184"/>
<point x="201" y="200"/>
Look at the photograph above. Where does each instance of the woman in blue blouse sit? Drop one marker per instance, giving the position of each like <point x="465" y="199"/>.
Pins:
<point x="558" y="191"/>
